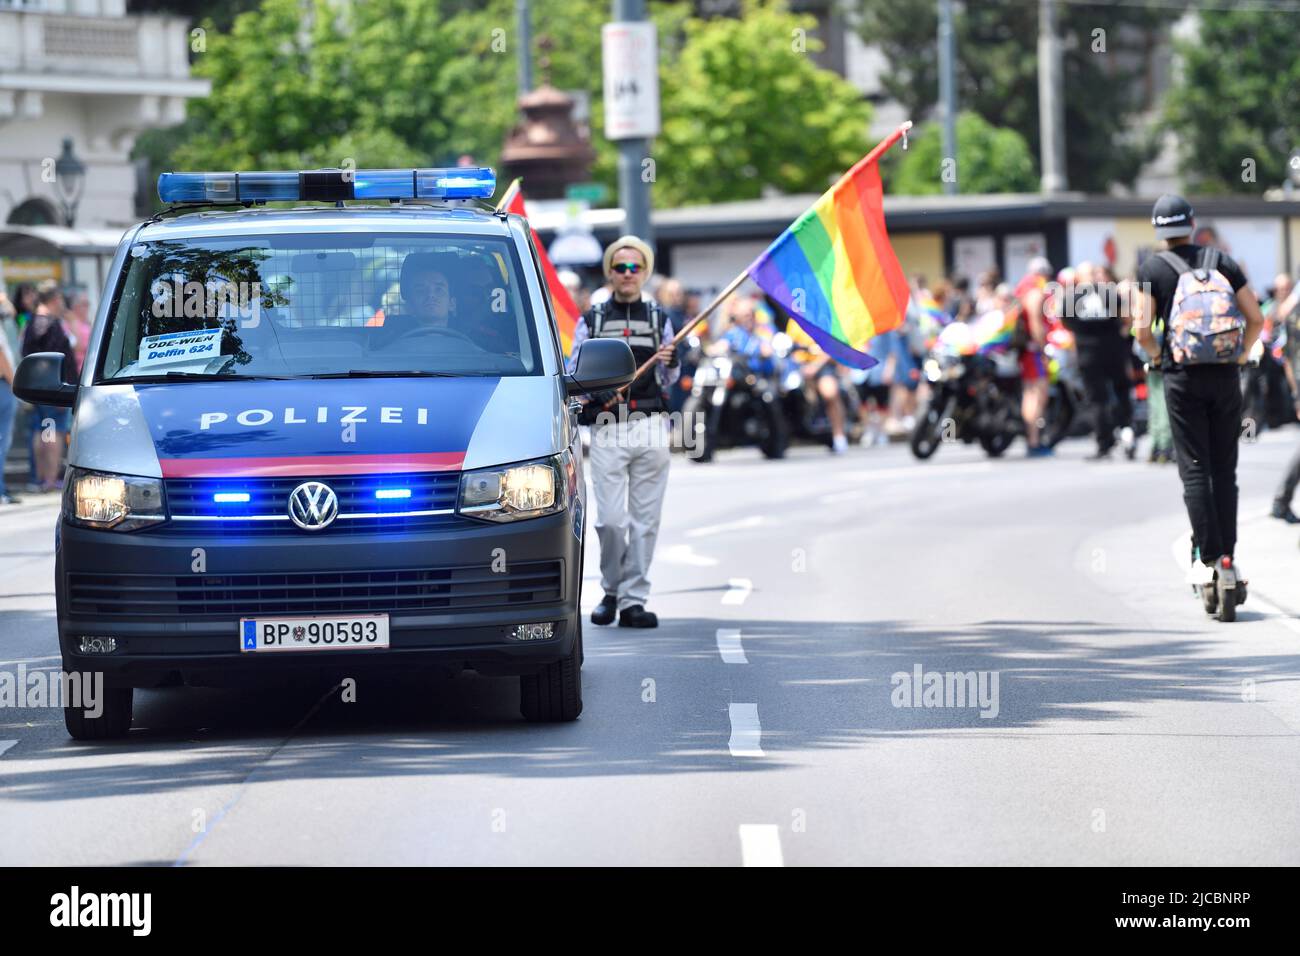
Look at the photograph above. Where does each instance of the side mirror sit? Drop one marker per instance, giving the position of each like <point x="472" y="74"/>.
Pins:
<point x="602" y="364"/>
<point x="39" y="380"/>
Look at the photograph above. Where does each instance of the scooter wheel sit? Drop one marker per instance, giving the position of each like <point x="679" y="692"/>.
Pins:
<point x="1227" y="604"/>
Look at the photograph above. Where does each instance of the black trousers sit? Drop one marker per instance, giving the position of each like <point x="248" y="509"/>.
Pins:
<point x="1286" y="490"/>
<point x="1104" y="370"/>
<point x="1205" y="417"/>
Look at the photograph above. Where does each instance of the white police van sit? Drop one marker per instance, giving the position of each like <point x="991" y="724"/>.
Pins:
<point x="335" y="438"/>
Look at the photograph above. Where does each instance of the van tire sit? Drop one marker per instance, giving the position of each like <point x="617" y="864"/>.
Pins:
<point x="114" y="722"/>
<point x="554" y="694"/>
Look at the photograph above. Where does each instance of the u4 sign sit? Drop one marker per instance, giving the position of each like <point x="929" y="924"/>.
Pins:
<point x="629" y="51"/>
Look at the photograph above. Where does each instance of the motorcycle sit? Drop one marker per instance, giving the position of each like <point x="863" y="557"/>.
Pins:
<point x="805" y="410"/>
<point x="972" y="399"/>
<point x="731" y="405"/>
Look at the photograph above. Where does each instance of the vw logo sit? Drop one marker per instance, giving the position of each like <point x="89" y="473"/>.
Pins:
<point x="313" y="505"/>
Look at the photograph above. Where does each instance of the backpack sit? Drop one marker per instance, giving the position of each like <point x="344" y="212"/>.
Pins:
<point x="1205" y="326"/>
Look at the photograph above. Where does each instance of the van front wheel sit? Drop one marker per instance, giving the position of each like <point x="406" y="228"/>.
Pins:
<point x="554" y="694"/>
<point x="113" y="720"/>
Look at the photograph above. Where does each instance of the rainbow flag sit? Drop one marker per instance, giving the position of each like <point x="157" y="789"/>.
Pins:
<point x="993" y="330"/>
<point x="562" y="304"/>
<point x="834" y="270"/>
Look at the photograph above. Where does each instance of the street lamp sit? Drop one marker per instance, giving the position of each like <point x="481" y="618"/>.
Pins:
<point x="69" y="180"/>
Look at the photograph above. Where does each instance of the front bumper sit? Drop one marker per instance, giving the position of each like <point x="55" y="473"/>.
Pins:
<point x="173" y="602"/>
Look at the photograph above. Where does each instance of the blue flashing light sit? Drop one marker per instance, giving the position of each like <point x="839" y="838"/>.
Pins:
<point x="460" y="182"/>
<point x="390" y="493"/>
<point x="231" y="497"/>
<point x="329" y="185"/>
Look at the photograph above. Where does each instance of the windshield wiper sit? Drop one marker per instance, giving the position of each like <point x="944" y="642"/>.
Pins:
<point x="203" y="376"/>
<point x="377" y="373"/>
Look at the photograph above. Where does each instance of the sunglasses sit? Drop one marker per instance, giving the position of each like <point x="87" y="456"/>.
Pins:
<point x="625" y="267"/>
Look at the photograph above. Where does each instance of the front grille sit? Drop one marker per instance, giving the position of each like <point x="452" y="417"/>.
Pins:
<point x="193" y="497"/>
<point x="110" y="595"/>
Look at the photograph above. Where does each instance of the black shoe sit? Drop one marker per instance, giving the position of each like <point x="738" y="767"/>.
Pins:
<point x="1283" y="512"/>
<point x="637" y="616"/>
<point x="1101" y="454"/>
<point x="603" y="613"/>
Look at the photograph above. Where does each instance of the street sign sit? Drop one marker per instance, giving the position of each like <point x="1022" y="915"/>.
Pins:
<point x="589" y="192"/>
<point x="629" y="53"/>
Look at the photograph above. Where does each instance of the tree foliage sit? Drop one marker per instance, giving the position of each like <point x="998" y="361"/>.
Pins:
<point x="747" y="109"/>
<point x="991" y="160"/>
<point x="1106" y="51"/>
<point x="1233" y="106"/>
<point x="300" y="83"/>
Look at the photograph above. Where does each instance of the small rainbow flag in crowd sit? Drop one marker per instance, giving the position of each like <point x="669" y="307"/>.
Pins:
<point x="834" y="270"/>
<point x="562" y="304"/>
<point x="932" y="318"/>
<point x="993" y="330"/>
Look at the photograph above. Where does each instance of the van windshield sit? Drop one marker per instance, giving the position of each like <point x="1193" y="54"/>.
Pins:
<point x="321" y="304"/>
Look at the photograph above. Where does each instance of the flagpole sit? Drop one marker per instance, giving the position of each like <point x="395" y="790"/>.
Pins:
<point x="899" y="132"/>
<point x="686" y="330"/>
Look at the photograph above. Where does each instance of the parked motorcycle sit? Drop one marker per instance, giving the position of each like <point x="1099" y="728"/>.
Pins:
<point x="805" y="410"/>
<point x="730" y="405"/>
<point x="973" y="398"/>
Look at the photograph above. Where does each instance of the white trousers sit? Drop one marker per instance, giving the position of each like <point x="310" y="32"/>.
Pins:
<point x="629" y="475"/>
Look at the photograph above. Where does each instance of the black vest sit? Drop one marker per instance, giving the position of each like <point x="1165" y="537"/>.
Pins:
<point x="640" y="325"/>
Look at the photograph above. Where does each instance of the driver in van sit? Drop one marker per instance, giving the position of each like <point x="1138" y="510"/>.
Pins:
<point x="426" y="298"/>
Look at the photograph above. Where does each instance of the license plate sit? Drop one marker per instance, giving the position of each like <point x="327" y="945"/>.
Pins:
<point x="342" y="633"/>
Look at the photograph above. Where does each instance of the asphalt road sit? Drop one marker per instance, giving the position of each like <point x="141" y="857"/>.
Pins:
<point x="762" y="722"/>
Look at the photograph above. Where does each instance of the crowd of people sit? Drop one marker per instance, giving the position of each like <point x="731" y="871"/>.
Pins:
<point x="40" y="318"/>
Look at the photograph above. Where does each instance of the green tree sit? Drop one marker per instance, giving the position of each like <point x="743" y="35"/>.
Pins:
<point x="299" y="83"/>
<point x="746" y="108"/>
<point x="1233" y="106"/>
<point x="1106" y="50"/>
<point x="991" y="160"/>
<point x="312" y="82"/>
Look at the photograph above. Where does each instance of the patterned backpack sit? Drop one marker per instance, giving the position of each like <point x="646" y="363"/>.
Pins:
<point x="1205" y="326"/>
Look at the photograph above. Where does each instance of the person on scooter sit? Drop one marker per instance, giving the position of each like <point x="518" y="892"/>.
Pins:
<point x="1194" y="291"/>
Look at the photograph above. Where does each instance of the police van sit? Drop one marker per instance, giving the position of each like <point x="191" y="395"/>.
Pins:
<point x="330" y="435"/>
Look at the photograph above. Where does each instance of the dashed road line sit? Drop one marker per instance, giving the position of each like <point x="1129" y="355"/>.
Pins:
<point x="760" y="844"/>
<point x="746" y="732"/>
<point x="685" y="554"/>
<point x="729" y="646"/>
<point x="737" y="591"/>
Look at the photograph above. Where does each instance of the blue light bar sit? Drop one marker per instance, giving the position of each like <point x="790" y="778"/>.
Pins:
<point x="387" y="493"/>
<point x="329" y="185"/>
<point x="231" y="497"/>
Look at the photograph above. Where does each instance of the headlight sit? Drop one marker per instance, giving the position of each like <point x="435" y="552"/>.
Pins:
<point x="513" y="492"/>
<point x="96" y="499"/>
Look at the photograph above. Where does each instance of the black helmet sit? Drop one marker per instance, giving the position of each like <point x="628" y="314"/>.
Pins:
<point x="1172" y="217"/>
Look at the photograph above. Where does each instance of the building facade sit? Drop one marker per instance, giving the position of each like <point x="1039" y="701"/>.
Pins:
<point x="87" y="71"/>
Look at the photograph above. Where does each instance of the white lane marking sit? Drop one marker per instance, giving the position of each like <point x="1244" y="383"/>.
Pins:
<point x="760" y="844"/>
<point x="737" y="590"/>
<point x="746" y="732"/>
<point x="685" y="554"/>
<point x="5" y="745"/>
<point x="1269" y="608"/>
<point x="1181" y="550"/>
<point x="839" y="496"/>
<point x="751" y="522"/>
<point x="729" y="646"/>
